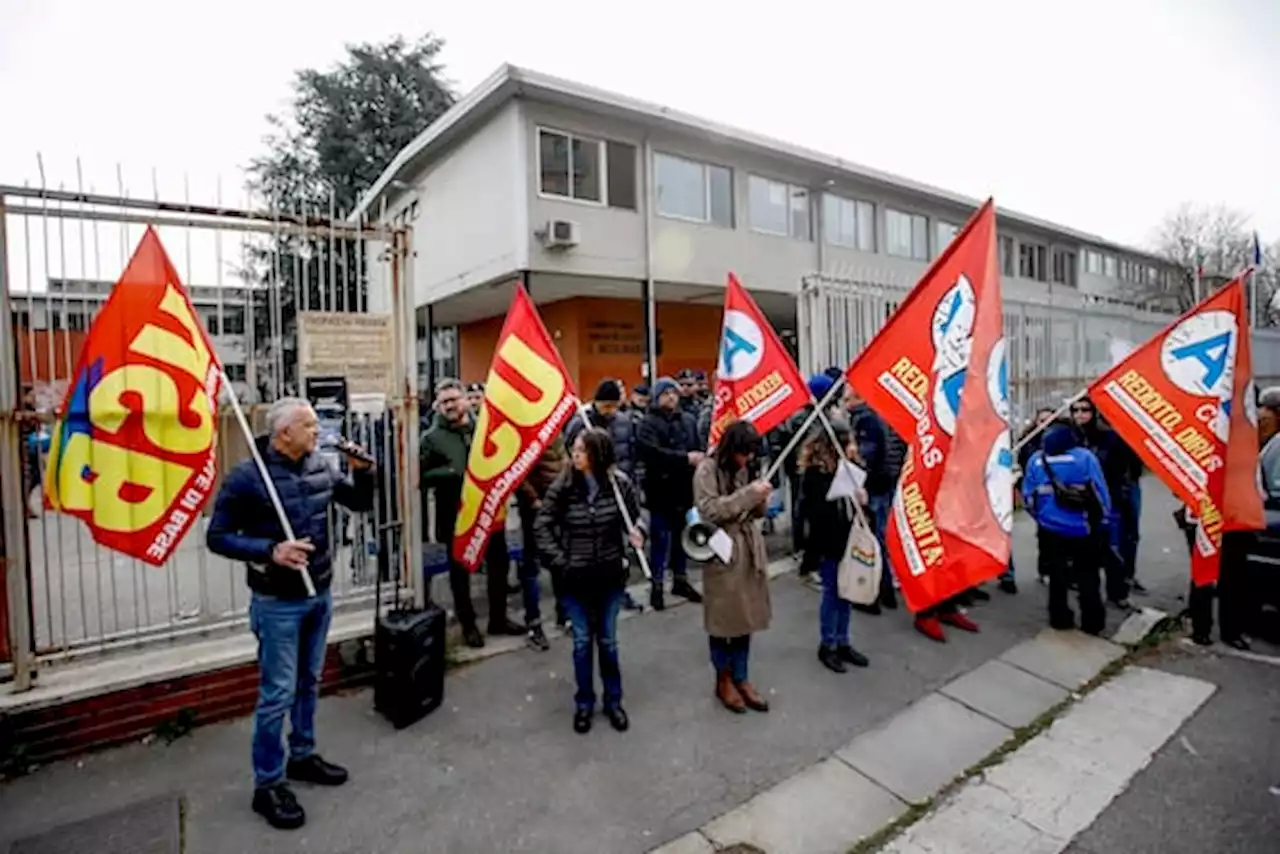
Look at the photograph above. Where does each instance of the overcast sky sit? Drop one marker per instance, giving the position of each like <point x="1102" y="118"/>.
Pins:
<point x="1098" y="115"/>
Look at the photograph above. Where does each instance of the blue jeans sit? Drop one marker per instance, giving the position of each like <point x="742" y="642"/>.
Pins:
<point x="879" y="507"/>
<point x="291" y="647"/>
<point x="1130" y="509"/>
<point x="594" y="619"/>
<point x="665" y="533"/>
<point x="833" y="612"/>
<point x="732" y="655"/>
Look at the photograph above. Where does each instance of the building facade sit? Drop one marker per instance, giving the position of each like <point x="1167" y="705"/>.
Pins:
<point x="623" y="219"/>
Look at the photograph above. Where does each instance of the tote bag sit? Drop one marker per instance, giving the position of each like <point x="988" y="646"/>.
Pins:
<point x="858" y="576"/>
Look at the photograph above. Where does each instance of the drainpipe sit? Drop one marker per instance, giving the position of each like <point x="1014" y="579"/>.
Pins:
<point x="646" y="289"/>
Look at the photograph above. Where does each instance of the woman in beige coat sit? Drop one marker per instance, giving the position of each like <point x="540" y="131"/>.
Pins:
<point x="728" y="495"/>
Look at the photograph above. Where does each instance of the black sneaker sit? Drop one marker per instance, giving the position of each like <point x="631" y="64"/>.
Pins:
<point x="977" y="594"/>
<point x="1138" y="587"/>
<point x="656" y="600"/>
<point x="279" y="807"/>
<point x="830" y="659"/>
<point x="1008" y="585"/>
<point x="629" y="602"/>
<point x="315" y="770"/>
<point x="617" y="718"/>
<point x="849" y="655"/>
<point x="538" y="639"/>
<point x="471" y="637"/>
<point x="582" y="721"/>
<point x="682" y="588"/>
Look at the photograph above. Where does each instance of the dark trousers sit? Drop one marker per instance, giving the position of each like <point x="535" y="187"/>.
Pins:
<point x="1073" y="559"/>
<point x="797" y="521"/>
<point x="1115" y="571"/>
<point x="497" y="560"/>
<point x="732" y="656"/>
<point x="1238" y="605"/>
<point x="530" y="567"/>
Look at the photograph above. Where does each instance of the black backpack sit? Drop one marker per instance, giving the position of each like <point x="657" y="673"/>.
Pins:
<point x="1076" y="497"/>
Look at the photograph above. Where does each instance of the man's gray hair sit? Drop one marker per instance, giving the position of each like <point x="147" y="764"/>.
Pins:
<point x="1269" y="398"/>
<point x="448" y="384"/>
<point x="280" y="413"/>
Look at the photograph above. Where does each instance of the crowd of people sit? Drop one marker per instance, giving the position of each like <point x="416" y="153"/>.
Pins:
<point x="621" y="480"/>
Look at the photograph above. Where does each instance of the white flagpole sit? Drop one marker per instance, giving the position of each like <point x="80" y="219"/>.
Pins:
<point x="266" y="477"/>
<point x="617" y="495"/>
<point x="804" y="427"/>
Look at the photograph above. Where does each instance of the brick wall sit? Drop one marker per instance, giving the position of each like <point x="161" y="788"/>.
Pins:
<point x="55" y="732"/>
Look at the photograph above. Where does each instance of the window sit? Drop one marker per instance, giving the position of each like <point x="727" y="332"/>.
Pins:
<point x="1093" y="262"/>
<point x="906" y="235"/>
<point x="1006" y="255"/>
<point x="620" y="165"/>
<point x="690" y="190"/>
<point x="236" y="373"/>
<point x="1031" y="262"/>
<point x="211" y="324"/>
<point x="570" y="166"/>
<point x="848" y="222"/>
<point x="943" y="233"/>
<point x="778" y="208"/>
<point x="233" y="321"/>
<point x="1064" y="267"/>
<point x="1109" y="266"/>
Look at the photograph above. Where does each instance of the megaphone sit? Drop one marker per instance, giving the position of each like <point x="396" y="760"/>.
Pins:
<point x="696" y="540"/>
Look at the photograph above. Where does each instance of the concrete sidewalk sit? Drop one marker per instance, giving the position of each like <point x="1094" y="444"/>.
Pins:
<point x="498" y="768"/>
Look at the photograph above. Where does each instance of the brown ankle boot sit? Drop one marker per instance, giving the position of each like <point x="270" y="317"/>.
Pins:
<point x="728" y="694"/>
<point x="751" y="698"/>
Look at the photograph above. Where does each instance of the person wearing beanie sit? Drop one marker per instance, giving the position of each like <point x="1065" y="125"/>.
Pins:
<point x="606" y="412"/>
<point x="820" y="385"/>
<point x="667" y="445"/>
<point x="639" y="402"/>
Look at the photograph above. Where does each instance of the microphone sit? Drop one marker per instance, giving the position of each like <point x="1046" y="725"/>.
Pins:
<point x="350" y="448"/>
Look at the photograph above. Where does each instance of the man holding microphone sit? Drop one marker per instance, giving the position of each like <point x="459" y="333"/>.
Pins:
<point x="291" y="626"/>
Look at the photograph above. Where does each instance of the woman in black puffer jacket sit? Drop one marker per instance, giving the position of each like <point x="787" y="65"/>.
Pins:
<point x="581" y="536"/>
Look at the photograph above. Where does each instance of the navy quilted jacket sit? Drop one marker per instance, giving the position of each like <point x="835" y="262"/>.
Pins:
<point x="244" y="525"/>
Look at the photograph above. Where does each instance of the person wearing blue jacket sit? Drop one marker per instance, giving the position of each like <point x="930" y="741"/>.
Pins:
<point x="1064" y="490"/>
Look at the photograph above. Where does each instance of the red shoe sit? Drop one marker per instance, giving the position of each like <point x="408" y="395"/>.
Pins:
<point x="960" y="621"/>
<point x="931" y="628"/>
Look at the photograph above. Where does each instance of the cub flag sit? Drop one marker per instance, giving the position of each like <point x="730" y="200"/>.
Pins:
<point x="528" y="398"/>
<point x="132" y="454"/>
<point x="1186" y="403"/>
<point x="937" y="373"/>
<point x="756" y="380"/>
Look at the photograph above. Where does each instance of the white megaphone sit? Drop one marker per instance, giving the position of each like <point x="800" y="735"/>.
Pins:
<point x="697" y="537"/>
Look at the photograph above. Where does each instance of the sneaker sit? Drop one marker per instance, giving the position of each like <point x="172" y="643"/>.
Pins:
<point x="1008" y="585"/>
<point x="931" y="628"/>
<point x="849" y="655"/>
<point x="959" y="620"/>
<point x="538" y="639"/>
<point x="279" y="807"/>
<point x="979" y="595"/>
<point x="1138" y="587"/>
<point x="1241" y="643"/>
<point x="629" y="602"/>
<point x="682" y="588"/>
<point x="312" y="769"/>
<point x="830" y="659"/>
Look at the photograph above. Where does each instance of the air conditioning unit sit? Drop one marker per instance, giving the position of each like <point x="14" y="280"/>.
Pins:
<point x="560" y="234"/>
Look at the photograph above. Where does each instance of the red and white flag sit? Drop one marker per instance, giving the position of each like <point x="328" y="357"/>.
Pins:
<point x="1186" y="403"/>
<point x="947" y="392"/>
<point x="756" y="379"/>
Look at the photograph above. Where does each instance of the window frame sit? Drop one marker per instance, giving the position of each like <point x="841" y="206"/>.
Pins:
<point x="602" y="171"/>
<point x="938" y="224"/>
<point x="911" y="216"/>
<point x="706" y="168"/>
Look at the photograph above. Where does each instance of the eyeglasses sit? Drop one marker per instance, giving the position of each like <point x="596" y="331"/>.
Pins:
<point x="1088" y="409"/>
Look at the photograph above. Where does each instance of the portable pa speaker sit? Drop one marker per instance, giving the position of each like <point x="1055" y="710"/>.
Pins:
<point x="409" y="664"/>
<point x="696" y="540"/>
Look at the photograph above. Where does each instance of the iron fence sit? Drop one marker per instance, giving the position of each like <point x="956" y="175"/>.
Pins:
<point x="253" y="275"/>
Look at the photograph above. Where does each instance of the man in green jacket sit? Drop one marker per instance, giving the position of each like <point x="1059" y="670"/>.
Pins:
<point x="445" y="447"/>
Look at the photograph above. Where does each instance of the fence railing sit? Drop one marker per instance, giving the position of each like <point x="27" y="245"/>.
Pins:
<point x="1057" y="341"/>
<point x="251" y="275"/>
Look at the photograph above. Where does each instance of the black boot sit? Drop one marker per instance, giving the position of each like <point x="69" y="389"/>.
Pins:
<point x="656" y="600"/>
<point x="279" y="807"/>
<point x="505" y="626"/>
<point x="682" y="588"/>
<point x="849" y="655"/>
<point x="830" y="659"/>
<point x="471" y="637"/>
<point x="315" y="770"/>
<point x="618" y="718"/>
<point x="582" y="721"/>
<point x="538" y="639"/>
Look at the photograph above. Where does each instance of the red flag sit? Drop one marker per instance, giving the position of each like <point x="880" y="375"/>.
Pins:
<point x="528" y="398"/>
<point x="756" y="379"/>
<point x="132" y="454"/>
<point x="1184" y="401"/>
<point x="941" y="540"/>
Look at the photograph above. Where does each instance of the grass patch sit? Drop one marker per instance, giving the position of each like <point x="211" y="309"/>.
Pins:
<point x="1149" y="646"/>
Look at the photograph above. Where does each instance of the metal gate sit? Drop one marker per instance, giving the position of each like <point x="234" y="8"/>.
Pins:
<point x="250" y="273"/>
<point x="1058" y="340"/>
